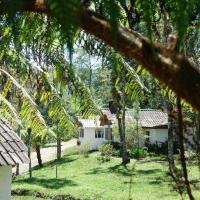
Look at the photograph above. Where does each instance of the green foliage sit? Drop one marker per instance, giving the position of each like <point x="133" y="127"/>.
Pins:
<point x="68" y="22"/>
<point x="84" y="149"/>
<point x="78" y="142"/>
<point x="9" y="112"/>
<point x="137" y="153"/>
<point x="29" y="114"/>
<point x="106" y="151"/>
<point x="172" y="98"/>
<point x="116" y="153"/>
<point x="181" y="13"/>
<point x="134" y="88"/>
<point x="134" y="135"/>
<point x="59" y="115"/>
<point x="147" y="9"/>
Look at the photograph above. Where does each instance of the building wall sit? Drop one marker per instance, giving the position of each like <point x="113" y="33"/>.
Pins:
<point x="5" y="182"/>
<point x="89" y="138"/>
<point x="157" y="135"/>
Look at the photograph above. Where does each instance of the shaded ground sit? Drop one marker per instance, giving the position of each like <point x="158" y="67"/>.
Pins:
<point x="86" y="178"/>
<point x="48" y="153"/>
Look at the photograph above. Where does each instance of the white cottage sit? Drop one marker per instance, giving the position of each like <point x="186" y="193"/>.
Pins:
<point x="12" y="152"/>
<point x="154" y="122"/>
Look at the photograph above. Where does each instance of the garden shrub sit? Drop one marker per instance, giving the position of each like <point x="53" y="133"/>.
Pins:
<point x="78" y="142"/>
<point x="106" y="151"/>
<point x="138" y="153"/>
<point x="115" y="145"/>
<point x="160" y="148"/>
<point x="84" y="149"/>
<point x="117" y="149"/>
<point x="116" y="153"/>
<point x="191" y="155"/>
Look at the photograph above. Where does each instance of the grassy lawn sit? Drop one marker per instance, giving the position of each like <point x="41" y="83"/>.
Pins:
<point x="88" y="179"/>
<point x="25" y="198"/>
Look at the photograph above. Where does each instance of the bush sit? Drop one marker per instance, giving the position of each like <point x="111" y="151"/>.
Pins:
<point x="116" y="153"/>
<point x="78" y="142"/>
<point x="106" y="151"/>
<point x="84" y="149"/>
<point x="189" y="155"/>
<point x="138" y="153"/>
<point x="160" y="148"/>
<point x="115" y="145"/>
<point x="152" y="154"/>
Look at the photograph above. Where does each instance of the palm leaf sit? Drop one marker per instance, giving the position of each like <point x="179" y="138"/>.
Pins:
<point x="8" y="111"/>
<point x="29" y="113"/>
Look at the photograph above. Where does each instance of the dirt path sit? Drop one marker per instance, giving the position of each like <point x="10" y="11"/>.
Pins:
<point x="48" y="154"/>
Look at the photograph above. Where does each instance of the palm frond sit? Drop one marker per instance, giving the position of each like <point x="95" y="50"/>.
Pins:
<point x="8" y="111"/>
<point x="80" y="92"/>
<point x="60" y="116"/>
<point x="29" y="113"/>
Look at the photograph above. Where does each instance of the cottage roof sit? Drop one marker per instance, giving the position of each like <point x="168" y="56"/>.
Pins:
<point x="153" y="118"/>
<point x="148" y="118"/>
<point x="89" y="123"/>
<point x="12" y="150"/>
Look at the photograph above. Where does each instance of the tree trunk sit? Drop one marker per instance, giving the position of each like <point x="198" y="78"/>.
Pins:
<point x="117" y="107"/>
<point x="138" y="137"/>
<point x="182" y="150"/>
<point x="90" y="68"/>
<point x="170" y="143"/>
<point x="29" y="151"/>
<point x="170" y="153"/>
<point x="58" y="147"/>
<point x="125" y="158"/>
<point x="39" y="158"/>
<point x="197" y="137"/>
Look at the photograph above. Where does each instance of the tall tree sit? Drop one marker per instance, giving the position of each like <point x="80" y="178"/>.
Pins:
<point x="131" y="43"/>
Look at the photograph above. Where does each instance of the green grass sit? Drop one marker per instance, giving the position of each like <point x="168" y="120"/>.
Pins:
<point x="25" y="198"/>
<point x="88" y="179"/>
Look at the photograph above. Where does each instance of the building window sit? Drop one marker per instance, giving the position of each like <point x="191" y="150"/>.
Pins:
<point x="108" y="133"/>
<point x="99" y="133"/>
<point x="81" y="132"/>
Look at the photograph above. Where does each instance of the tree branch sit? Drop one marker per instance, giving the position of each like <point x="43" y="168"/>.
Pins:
<point x="170" y="68"/>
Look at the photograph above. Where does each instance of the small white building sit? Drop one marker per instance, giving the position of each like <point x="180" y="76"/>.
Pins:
<point x="93" y="134"/>
<point x="12" y="152"/>
<point x="154" y="122"/>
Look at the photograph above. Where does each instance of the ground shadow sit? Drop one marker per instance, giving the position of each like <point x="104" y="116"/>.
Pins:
<point x="121" y="169"/>
<point x="148" y="171"/>
<point x="117" y="169"/>
<point x="51" y="183"/>
<point x="159" y="180"/>
<point x="96" y="170"/>
<point x="55" y="162"/>
<point x="195" y="181"/>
